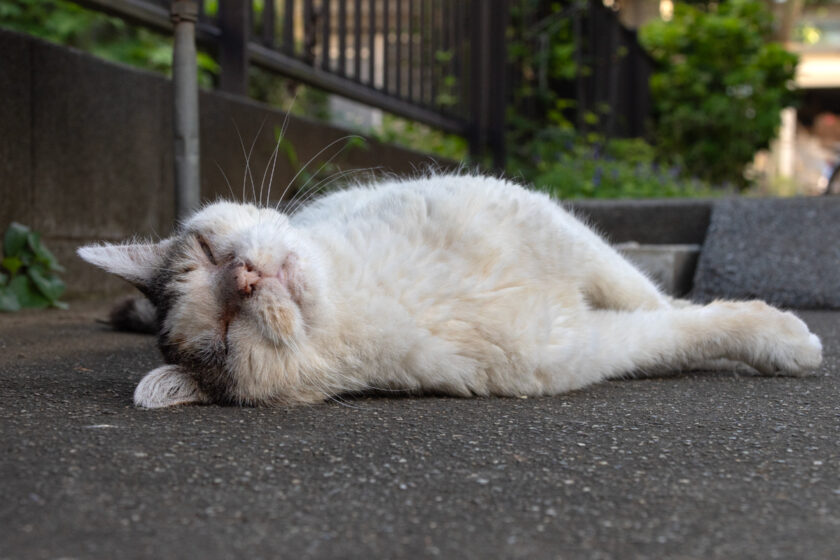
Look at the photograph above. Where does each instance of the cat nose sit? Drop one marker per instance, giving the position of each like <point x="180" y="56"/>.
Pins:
<point x="245" y="276"/>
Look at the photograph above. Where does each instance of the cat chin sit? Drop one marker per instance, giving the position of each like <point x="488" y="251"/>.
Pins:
<point x="278" y="316"/>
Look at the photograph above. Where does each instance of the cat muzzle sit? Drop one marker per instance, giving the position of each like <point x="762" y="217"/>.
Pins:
<point x="246" y="277"/>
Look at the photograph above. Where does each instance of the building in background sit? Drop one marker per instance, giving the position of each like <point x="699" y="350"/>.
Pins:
<point x="809" y="146"/>
<point x="800" y="160"/>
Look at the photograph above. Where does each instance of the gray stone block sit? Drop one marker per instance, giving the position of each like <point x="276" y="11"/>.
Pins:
<point x="784" y="251"/>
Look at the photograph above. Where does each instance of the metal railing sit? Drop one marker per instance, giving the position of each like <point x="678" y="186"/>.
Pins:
<point x="438" y="62"/>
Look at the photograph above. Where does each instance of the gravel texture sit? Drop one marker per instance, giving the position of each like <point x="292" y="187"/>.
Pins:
<point x="707" y="465"/>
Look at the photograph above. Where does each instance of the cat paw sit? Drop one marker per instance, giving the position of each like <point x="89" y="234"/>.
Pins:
<point x="168" y="385"/>
<point x="776" y="342"/>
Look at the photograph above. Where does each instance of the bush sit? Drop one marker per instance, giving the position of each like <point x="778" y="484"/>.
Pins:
<point x="573" y="168"/>
<point x="719" y="88"/>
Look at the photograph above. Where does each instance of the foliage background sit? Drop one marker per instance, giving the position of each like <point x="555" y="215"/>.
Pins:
<point x="720" y="86"/>
<point x="717" y="92"/>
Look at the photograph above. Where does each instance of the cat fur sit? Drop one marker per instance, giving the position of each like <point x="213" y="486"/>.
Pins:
<point x="456" y="284"/>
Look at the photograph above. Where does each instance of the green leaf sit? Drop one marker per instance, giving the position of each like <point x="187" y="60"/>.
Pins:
<point x="8" y="300"/>
<point x="4" y="278"/>
<point x="12" y="264"/>
<point x="33" y="239"/>
<point x="15" y="239"/>
<point x="50" y="286"/>
<point x="26" y="292"/>
<point x="45" y="256"/>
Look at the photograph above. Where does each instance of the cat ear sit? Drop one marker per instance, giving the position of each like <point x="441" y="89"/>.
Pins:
<point x="167" y="386"/>
<point x="138" y="263"/>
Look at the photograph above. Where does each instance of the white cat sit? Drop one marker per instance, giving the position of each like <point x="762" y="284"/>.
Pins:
<point x="454" y="284"/>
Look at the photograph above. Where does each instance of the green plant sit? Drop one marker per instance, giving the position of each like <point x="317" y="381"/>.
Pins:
<point x="566" y="166"/>
<point x="28" y="272"/>
<point x="719" y="87"/>
<point x="417" y="136"/>
<point x="301" y="100"/>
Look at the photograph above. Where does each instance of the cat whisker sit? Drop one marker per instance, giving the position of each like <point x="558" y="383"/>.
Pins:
<point x="303" y="195"/>
<point x="248" y="173"/>
<point x="230" y="188"/>
<point x="313" y="158"/>
<point x="300" y="200"/>
<point x="277" y="150"/>
<point x="296" y="201"/>
<point x="241" y="143"/>
<point x="272" y="161"/>
<point x="341" y="402"/>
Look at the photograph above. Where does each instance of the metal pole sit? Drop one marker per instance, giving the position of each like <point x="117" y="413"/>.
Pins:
<point x="185" y="118"/>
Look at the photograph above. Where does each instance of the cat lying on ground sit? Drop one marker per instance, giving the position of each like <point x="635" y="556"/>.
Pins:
<point x="460" y="285"/>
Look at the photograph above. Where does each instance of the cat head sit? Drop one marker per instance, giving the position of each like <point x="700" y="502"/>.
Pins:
<point x="237" y="290"/>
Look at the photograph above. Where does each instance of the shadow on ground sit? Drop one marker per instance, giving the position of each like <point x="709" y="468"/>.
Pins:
<point x="689" y="466"/>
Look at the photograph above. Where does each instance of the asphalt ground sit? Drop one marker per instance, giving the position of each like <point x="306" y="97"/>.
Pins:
<point x="694" y="465"/>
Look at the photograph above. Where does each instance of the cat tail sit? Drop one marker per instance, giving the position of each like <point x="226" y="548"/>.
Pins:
<point x="134" y="314"/>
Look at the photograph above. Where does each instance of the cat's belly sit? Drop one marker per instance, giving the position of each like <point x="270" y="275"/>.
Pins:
<point x="465" y="290"/>
<point x="461" y="334"/>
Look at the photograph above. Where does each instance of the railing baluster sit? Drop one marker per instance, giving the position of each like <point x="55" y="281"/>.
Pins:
<point x="288" y="26"/>
<point x="465" y="66"/>
<point x="386" y="25"/>
<point x="357" y="40"/>
<point x="327" y="34"/>
<point x="435" y="37"/>
<point x="342" y="37"/>
<point x="310" y="34"/>
<point x="399" y="67"/>
<point x="234" y="21"/>
<point x="424" y="58"/>
<point x="372" y="43"/>
<point x="410" y="50"/>
<point x="446" y="39"/>
<point x="268" y="21"/>
<point x="452" y="48"/>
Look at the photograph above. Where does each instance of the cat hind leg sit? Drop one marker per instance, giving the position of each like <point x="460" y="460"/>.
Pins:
<point x="612" y="282"/>
<point x="618" y="343"/>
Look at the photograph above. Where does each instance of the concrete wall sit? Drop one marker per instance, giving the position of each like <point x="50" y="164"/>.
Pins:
<point x="86" y="150"/>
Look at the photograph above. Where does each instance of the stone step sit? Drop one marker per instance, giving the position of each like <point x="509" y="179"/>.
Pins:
<point x="670" y="266"/>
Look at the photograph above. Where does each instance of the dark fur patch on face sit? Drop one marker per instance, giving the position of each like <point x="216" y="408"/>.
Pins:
<point x="208" y="369"/>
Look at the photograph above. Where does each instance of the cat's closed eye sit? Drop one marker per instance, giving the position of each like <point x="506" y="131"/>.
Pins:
<point x="207" y="251"/>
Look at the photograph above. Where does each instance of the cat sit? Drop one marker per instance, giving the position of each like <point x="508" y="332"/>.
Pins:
<point x="455" y="284"/>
